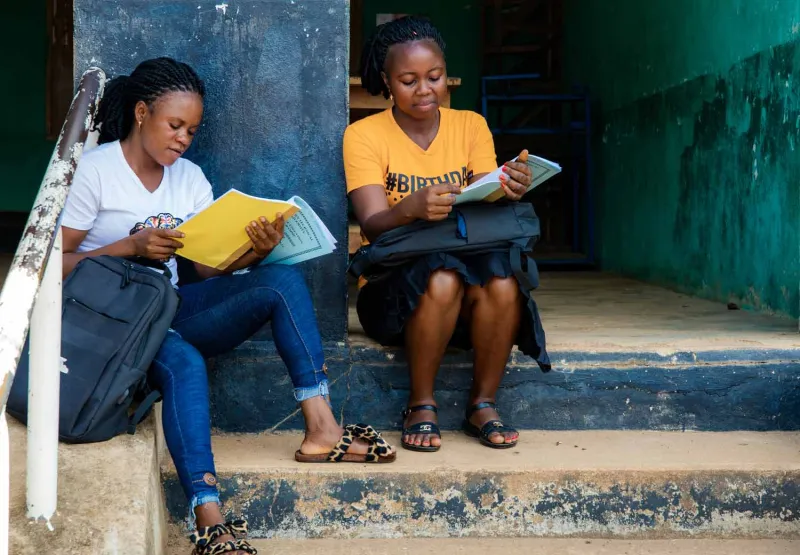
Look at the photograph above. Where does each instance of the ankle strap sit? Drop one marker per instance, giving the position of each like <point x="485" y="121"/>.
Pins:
<point x="418" y="408"/>
<point x="480" y="406"/>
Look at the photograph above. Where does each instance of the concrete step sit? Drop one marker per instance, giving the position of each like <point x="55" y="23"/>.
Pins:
<point x="626" y="355"/>
<point x="516" y="546"/>
<point x="615" y="485"/>
<point x="110" y="498"/>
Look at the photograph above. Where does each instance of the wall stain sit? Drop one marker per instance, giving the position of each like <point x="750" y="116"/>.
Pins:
<point x="700" y="185"/>
<point x="442" y="503"/>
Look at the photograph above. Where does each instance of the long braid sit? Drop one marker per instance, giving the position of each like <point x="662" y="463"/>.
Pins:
<point x="149" y="81"/>
<point x="373" y="59"/>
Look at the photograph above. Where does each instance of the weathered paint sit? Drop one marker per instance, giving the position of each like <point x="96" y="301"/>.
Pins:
<point x="251" y="391"/>
<point x="714" y="391"/>
<point x="451" y="503"/>
<point x="22" y="282"/>
<point x="276" y="106"/>
<point x="697" y="163"/>
<point x="44" y="385"/>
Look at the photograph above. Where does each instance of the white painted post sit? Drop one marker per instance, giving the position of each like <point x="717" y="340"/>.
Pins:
<point x="43" y="391"/>
<point x="5" y="483"/>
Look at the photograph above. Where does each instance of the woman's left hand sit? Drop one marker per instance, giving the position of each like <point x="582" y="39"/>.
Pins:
<point x="516" y="177"/>
<point x="264" y="235"/>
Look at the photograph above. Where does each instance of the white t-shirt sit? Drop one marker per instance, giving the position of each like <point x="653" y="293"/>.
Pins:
<point x="109" y="200"/>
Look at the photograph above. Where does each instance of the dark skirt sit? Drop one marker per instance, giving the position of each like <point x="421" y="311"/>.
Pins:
<point x="385" y="304"/>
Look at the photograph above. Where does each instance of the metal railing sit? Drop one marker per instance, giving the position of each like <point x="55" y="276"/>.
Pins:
<point x="31" y="298"/>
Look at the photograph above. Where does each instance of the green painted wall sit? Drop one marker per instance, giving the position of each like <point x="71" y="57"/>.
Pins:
<point x="627" y="49"/>
<point x="698" y="130"/>
<point x="459" y="21"/>
<point x="24" y="151"/>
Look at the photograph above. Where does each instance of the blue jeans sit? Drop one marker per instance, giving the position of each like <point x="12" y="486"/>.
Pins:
<point x="216" y="316"/>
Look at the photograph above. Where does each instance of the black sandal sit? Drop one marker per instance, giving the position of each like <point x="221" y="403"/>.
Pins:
<point x="204" y="539"/>
<point x="491" y="427"/>
<point x="427" y="427"/>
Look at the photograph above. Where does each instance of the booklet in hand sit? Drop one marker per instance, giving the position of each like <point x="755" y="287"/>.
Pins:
<point x="488" y="188"/>
<point x="305" y="236"/>
<point x="216" y="236"/>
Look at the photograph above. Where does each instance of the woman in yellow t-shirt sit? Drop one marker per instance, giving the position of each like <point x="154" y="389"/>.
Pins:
<point x="408" y="163"/>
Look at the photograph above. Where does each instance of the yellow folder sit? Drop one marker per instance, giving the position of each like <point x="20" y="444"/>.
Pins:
<point x="216" y="237"/>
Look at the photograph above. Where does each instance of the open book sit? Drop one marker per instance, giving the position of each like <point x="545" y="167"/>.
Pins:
<point x="488" y="188"/>
<point x="305" y="236"/>
<point x="216" y="236"/>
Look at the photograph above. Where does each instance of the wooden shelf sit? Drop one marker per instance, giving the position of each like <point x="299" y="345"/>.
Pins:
<point x="360" y="99"/>
<point x="353" y="238"/>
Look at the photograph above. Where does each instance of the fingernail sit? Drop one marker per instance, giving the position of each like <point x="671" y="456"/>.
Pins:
<point x="505" y="169"/>
<point x="263" y="219"/>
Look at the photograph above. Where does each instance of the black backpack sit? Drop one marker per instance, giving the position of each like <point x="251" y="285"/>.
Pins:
<point x="470" y="229"/>
<point x="511" y="228"/>
<point x="115" y="314"/>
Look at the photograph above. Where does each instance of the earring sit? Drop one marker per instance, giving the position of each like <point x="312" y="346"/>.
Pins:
<point x="140" y="126"/>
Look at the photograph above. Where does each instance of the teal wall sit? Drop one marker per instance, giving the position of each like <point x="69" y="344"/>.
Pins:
<point x="459" y="21"/>
<point x="698" y="126"/>
<point x="24" y="151"/>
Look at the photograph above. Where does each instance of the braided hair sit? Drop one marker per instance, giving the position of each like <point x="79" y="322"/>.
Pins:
<point x="399" y="31"/>
<point x="151" y="80"/>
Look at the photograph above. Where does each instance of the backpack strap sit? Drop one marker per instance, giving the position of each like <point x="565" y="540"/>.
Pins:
<point x="155" y="264"/>
<point x="143" y="410"/>
<point x="523" y="276"/>
<point x="359" y="263"/>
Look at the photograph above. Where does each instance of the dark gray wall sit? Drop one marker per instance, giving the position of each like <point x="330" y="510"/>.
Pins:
<point x="276" y="72"/>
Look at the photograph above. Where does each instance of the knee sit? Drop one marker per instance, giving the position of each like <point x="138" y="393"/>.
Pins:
<point x="274" y="274"/>
<point x="502" y="292"/>
<point x="192" y="368"/>
<point x="445" y="287"/>
<point x="180" y="362"/>
<point x="280" y="278"/>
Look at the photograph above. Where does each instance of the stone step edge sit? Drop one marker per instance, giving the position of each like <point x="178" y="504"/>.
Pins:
<point x="361" y="352"/>
<point x="540" y="452"/>
<point x="511" y="546"/>
<point x="620" y="485"/>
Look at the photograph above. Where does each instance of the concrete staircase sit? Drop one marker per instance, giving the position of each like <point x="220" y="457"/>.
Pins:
<point x="668" y="425"/>
<point x="608" y="484"/>
<point x="626" y="355"/>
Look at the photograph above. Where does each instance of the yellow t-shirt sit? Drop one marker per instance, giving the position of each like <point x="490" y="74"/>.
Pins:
<point x="377" y="152"/>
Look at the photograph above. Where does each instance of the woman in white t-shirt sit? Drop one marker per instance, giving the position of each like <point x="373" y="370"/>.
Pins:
<point x="127" y="197"/>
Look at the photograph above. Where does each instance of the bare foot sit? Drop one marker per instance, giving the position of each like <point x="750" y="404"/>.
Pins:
<point x="321" y="442"/>
<point x="482" y="416"/>
<point x="424" y="440"/>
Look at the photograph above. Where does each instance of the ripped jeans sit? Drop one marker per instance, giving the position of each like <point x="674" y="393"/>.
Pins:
<point x="216" y="316"/>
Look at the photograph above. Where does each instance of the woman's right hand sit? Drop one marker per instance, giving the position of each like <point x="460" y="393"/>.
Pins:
<point x="156" y="244"/>
<point x="431" y="203"/>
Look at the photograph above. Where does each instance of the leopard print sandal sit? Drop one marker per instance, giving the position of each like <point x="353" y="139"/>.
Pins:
<point x="378" y="451"/>
<point x="204" y="539"/>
